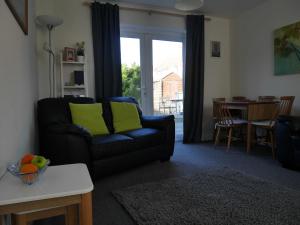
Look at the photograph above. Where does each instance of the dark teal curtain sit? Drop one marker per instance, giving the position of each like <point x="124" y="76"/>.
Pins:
<point x="107" y="53"/>
<point x="194" y="79"/>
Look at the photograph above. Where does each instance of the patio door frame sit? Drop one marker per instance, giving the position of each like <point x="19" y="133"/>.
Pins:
<point x="146" y="35"/>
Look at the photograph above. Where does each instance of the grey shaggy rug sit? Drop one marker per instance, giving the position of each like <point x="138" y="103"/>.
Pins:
<point x="212" y="197"/>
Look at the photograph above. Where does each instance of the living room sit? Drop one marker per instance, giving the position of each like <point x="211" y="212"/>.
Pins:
<point x="243" y="32"/>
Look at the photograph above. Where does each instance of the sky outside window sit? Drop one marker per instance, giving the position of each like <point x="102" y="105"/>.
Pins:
<point x="130" y="51"/>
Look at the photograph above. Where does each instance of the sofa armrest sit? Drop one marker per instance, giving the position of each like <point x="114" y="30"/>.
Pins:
<point x="285" y="150"/>
<point x="292" y="122"/>
<point x="66" y="144"/>
<point x="158" y="122"/>
<point x="164" y="123"/>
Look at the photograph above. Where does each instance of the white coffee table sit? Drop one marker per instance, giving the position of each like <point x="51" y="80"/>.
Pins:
<point x="59" y="186"/>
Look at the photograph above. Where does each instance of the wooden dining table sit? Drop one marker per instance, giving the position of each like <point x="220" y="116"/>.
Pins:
<point x="254" y="111"/>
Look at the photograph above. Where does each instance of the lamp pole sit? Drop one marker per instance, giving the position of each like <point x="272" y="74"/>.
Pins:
<point x="52" y="79"/>
<point x="50" y="22"/>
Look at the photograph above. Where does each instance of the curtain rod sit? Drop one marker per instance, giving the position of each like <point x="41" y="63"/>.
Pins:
<point x="149" y="11"/>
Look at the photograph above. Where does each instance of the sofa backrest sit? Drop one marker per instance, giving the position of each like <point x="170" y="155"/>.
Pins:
<point x="126" y="99"/>
<point x="57" y="110"/>
<point x="107" y="113"/>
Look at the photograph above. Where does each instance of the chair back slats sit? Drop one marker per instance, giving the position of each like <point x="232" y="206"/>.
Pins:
<point x="286" y="104"/>
<point x="223" y="117"/>
<point x="266" y="98"/>
<point x="263" y="111"/>
<point x="239" y="99"/>
<point x="215" y="105"/>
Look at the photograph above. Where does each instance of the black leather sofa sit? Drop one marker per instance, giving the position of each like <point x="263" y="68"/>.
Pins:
<point x="288" y="141"/>
<point x="64" y="143"/>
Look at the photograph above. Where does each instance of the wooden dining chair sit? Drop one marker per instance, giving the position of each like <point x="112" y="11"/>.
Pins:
<point x="239" y="99"/>
<point x="225" y="121"/>
<point x="264" y="116"/>
<point x="215" y="112"/>
<point x="266" y="98"/>
<point x="215" y="105"/>
<point x="286" y="104"/>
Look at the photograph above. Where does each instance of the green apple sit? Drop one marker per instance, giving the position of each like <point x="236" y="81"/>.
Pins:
<point x="39" y="161"/>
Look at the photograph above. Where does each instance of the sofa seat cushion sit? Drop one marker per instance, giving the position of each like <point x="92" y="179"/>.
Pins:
<point x="146" y="137"/>
<point x="111" y="145"/>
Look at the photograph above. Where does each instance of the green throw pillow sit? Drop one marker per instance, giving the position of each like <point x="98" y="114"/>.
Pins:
<point x="125" y="116"/>
<point x="90" y="117"/>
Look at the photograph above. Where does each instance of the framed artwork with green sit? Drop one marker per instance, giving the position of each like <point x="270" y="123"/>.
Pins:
<point x="287" y="50"/>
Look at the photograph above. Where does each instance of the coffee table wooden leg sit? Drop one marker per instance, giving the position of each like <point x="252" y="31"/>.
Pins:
<point x="19" y="220"/>
<point x="72" y="215"/>
<point x="86" y="209"/>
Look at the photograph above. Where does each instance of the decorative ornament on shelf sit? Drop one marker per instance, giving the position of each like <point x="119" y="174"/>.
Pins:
<point x="80" y="51"/>
<point x="188" y="5"/>
<point x="69" y="54"/>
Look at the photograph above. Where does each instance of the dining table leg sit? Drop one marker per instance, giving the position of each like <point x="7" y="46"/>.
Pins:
<point x="1" y="219"/>
<point x="249" y="134"/>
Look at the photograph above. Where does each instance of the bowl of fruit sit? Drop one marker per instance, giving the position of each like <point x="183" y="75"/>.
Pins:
<point x="29" y="168"/>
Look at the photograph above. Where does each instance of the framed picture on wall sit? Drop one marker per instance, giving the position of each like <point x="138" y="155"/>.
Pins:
<point x="287" y="50"/>
<point x="215" y="49"/>
<point x="69" y="54"/>
<point x="19" y="9"/>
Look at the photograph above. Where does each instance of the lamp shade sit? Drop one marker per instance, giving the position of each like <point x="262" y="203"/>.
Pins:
<point x="188" y="5"/>
<point x="47" y="20"/>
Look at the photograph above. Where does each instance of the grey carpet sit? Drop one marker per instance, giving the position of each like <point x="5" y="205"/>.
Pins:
<point x="187" y="160"/>
<point x="212" y="197"/>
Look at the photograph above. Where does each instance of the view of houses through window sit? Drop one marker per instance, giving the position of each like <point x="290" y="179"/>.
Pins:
<point x="168" y="81"/>
<point x="167" y="77"/>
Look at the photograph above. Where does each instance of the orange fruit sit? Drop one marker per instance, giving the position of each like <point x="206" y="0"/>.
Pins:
<point x="27" y="159"/>
<point x="28" y="168"/>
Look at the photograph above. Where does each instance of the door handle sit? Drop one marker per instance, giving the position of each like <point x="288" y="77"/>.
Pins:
<point x="144" y="92"/>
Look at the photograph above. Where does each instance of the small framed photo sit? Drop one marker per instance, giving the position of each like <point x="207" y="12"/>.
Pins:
<point x="215" y="49"/>
<point x="69" y="54"/>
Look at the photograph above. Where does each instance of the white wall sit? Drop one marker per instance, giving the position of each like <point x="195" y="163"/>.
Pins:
<point x="154" y="20"/>
<point x="18" y="86"/>
<point x="77" y="27"/>
<point x="217" y="70"/>
<point x="252" y="51"/>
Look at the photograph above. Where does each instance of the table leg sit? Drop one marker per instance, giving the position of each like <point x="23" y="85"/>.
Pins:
<point x="249" y="136"/>
<point x="19" y="220"/>
<point x="72" y="215"/>
<point x="1" y="219"/>
<point x="86" y="209"/>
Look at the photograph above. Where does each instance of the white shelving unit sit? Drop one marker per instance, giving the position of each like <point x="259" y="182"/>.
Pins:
<point x="68" y="86"/>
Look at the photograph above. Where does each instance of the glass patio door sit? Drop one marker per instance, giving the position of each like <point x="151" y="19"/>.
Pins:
<point x="168" y="80"/>
<point x="132" y="82"/>
<point x="152" y="72"/>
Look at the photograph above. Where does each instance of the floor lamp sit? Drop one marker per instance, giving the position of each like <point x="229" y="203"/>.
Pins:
<point x="50" y="22"/>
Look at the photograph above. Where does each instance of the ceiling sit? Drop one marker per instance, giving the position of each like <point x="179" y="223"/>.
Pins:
<point x="221" y="8"/>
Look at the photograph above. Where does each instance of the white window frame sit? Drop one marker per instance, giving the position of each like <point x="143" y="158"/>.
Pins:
<point x="146" y="36"/>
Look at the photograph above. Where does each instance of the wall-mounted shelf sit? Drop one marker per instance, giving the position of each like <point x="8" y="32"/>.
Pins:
<point x="68" y="81"/>
<point x="71" y="62"/>
<point x="74" y="87"/>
